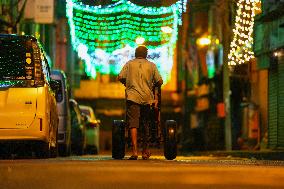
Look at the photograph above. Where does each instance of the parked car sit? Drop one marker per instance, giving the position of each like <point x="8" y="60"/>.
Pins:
<point x="92" y="130"/>
<point x="28" y="112"/>
<point x="62" y="99"/>
<point x="78" y="128"/>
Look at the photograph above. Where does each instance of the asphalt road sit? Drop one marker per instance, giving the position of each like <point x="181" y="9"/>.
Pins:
<point x="102" y="172"/>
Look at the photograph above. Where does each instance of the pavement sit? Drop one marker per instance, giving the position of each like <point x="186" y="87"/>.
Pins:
<point x="249" y="154"/>
<point x="258" y="155"/>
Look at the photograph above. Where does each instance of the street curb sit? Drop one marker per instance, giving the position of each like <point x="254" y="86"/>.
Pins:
<point x="259" y="155"/>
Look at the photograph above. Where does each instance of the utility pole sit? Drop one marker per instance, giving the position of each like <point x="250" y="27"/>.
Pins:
<point x="226" y="76"/>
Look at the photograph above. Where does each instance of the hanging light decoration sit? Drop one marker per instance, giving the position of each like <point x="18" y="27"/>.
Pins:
<point x="241" y="45"/>
<point x="105" y="36"/>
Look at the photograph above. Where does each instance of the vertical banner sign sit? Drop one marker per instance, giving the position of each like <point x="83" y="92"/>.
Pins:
<point x="29" y="8"/>
<point x="44" y="11"/>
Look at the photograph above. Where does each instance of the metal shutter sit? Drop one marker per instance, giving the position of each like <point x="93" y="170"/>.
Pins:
<point x="272" y="107"/>
<point x="280" y="102"/>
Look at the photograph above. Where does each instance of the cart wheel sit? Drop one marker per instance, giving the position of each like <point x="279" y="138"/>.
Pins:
<point x="118" y="139"/>
<point x="170" y="143"/>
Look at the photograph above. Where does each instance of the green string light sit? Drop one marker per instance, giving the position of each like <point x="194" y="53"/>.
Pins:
<point x="104" y="36"/>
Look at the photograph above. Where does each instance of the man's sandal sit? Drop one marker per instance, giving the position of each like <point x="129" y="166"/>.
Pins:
<point x="133" y="157"/>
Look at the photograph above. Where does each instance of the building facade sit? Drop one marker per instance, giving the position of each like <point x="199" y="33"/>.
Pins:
<point x="269" y="50"/>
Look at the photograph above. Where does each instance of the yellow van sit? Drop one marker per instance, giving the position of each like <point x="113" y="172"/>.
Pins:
<point x="28" y="112"/>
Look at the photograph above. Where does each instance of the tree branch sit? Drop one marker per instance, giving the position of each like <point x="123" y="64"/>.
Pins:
<point x="21" y="13"/>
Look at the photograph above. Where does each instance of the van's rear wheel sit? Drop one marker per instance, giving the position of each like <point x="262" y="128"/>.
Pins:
<point x="42" y="150"/>
<point x="170" y="141"/>
<point x="54" y="152"/>
<point x="80" y="149"/>
<point x="118" y="139"/>
<point x="64" y="150"/>
<point x="91" y="149"/>
<point x="5" y="150"/>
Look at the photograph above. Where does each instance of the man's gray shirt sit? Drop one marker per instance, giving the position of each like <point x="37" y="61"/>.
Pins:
<point x="140" y="75"/>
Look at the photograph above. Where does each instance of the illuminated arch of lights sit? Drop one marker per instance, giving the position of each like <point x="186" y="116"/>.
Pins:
<point x="241" y="45"/>
<point x="104" y="36"/>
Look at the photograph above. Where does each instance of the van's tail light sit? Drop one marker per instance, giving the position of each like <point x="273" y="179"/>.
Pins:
<point x="37" y="63"/>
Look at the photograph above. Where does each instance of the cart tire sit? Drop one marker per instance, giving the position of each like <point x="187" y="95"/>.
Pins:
<point x="170" y="141"/>
<point x="118" y="139"/>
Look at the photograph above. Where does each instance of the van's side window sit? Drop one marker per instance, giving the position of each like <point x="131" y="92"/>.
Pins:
<point x="46" y="69"/>
<point x="45" y="66"/>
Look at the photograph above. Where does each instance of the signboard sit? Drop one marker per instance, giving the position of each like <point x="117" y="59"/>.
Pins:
<point x="44" y="11"/>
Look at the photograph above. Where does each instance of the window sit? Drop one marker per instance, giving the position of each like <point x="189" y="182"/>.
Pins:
<point x="16" y="59"/>
<point x="59" y="93"/>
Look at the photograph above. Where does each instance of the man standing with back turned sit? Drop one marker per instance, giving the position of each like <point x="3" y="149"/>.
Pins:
<point x="139" y="77"/>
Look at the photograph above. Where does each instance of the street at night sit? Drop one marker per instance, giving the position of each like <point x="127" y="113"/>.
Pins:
<point x="101" y="171"/>
<point x="141" y="94"/>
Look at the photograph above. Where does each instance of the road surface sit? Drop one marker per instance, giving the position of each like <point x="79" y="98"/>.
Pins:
<point x="102" y="172"/>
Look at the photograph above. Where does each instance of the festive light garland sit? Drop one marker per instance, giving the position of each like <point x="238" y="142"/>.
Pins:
<point x="104" y="36"/>
<point x="241" y="45"/>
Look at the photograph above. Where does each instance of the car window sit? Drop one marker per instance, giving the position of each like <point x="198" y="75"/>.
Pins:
<point x="45" y="66"/>
<point x="86" y="112"/>
<point x="15" y="83"/>
<point x="20" y="63"/>
<point x="16" y="59"/>
<point x="59" y="94"/>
